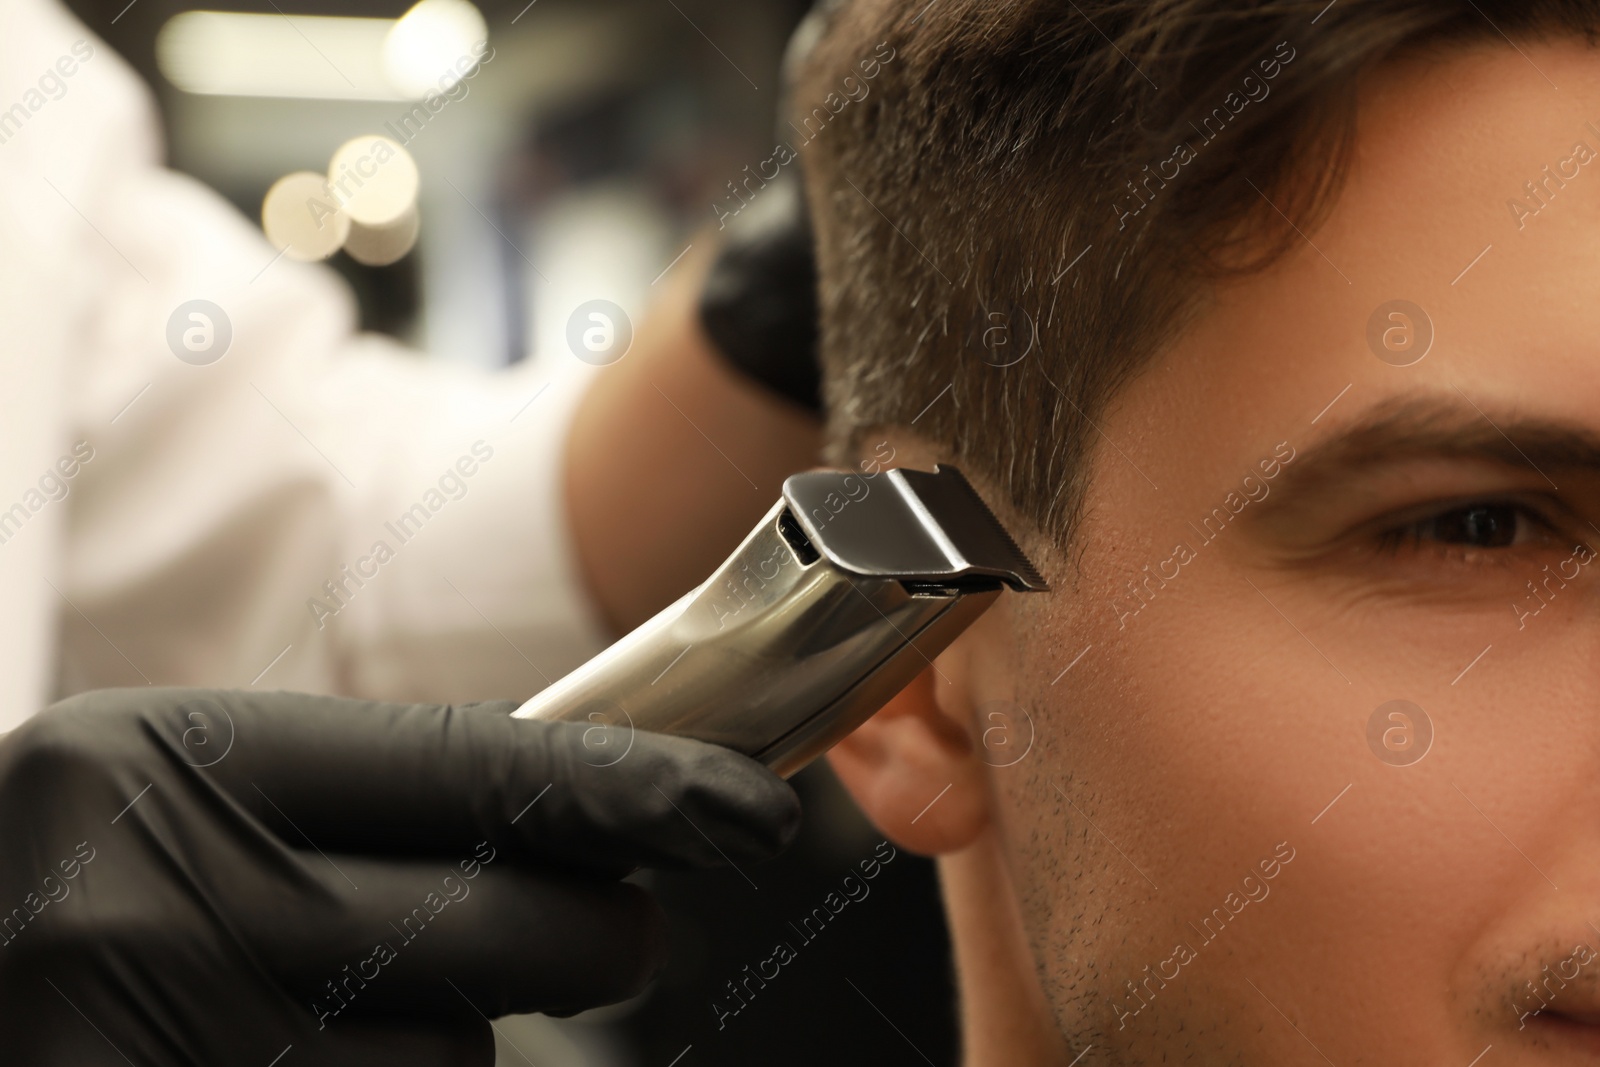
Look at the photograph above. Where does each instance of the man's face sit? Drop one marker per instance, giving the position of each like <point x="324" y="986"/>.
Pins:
<point x="1321" y="783"/>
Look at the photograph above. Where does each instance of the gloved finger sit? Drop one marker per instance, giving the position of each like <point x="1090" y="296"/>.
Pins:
<point x="670" y="802"/>
<point x="395" y="1040"/>
<point x="421" y="937"/>
<point x="102" y="1001"/>
<point x="358" y="776"/>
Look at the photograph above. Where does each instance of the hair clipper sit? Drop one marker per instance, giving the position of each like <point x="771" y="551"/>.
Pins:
<point x="838" y="598"/>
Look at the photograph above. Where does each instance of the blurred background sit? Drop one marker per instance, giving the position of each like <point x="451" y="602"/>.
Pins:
<point x="582" y="159"/>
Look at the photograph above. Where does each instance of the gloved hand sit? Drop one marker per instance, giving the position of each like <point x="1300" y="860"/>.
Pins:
<point x="208" y="878"/>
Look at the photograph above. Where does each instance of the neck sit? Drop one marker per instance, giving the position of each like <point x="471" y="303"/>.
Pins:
<point x="1005" y="1019"/>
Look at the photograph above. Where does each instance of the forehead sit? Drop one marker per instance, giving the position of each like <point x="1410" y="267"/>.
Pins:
<point x="1471" y="210"/>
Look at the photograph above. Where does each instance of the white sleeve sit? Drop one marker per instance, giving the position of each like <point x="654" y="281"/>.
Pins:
<point x="316" y="509"/>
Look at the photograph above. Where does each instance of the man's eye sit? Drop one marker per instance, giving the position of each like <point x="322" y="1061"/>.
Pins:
<point x="1478" y="525"/>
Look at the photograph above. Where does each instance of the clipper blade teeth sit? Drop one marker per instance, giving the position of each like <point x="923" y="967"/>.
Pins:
<point x="926" y="526"/>
<point x="972" y="527"/>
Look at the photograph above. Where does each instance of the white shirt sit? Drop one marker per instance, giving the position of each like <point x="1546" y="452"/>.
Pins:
<point x="193" y="545"/>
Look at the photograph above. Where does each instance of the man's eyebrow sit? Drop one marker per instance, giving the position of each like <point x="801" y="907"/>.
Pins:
<point x="1446" y="428"/>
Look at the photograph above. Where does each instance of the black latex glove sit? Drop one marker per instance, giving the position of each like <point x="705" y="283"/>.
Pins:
<point x="198" y="877"/>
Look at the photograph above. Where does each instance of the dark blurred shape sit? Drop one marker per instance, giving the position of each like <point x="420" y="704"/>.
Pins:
<point x="760" y="302"/>
<point x="387" y="296"/>
<point x="871" y="986"/>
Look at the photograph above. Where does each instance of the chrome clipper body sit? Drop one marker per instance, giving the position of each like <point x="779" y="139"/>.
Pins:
<point x="842" y="594"/>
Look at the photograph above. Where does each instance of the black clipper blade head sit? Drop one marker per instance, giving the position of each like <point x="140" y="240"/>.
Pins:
<point x="907" y="525"/>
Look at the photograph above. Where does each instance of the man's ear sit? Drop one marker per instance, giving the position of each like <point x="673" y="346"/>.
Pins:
<point x="913" y="768"/>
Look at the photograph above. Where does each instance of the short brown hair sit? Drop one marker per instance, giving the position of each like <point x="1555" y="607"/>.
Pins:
<point x="1004" y="139"/>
